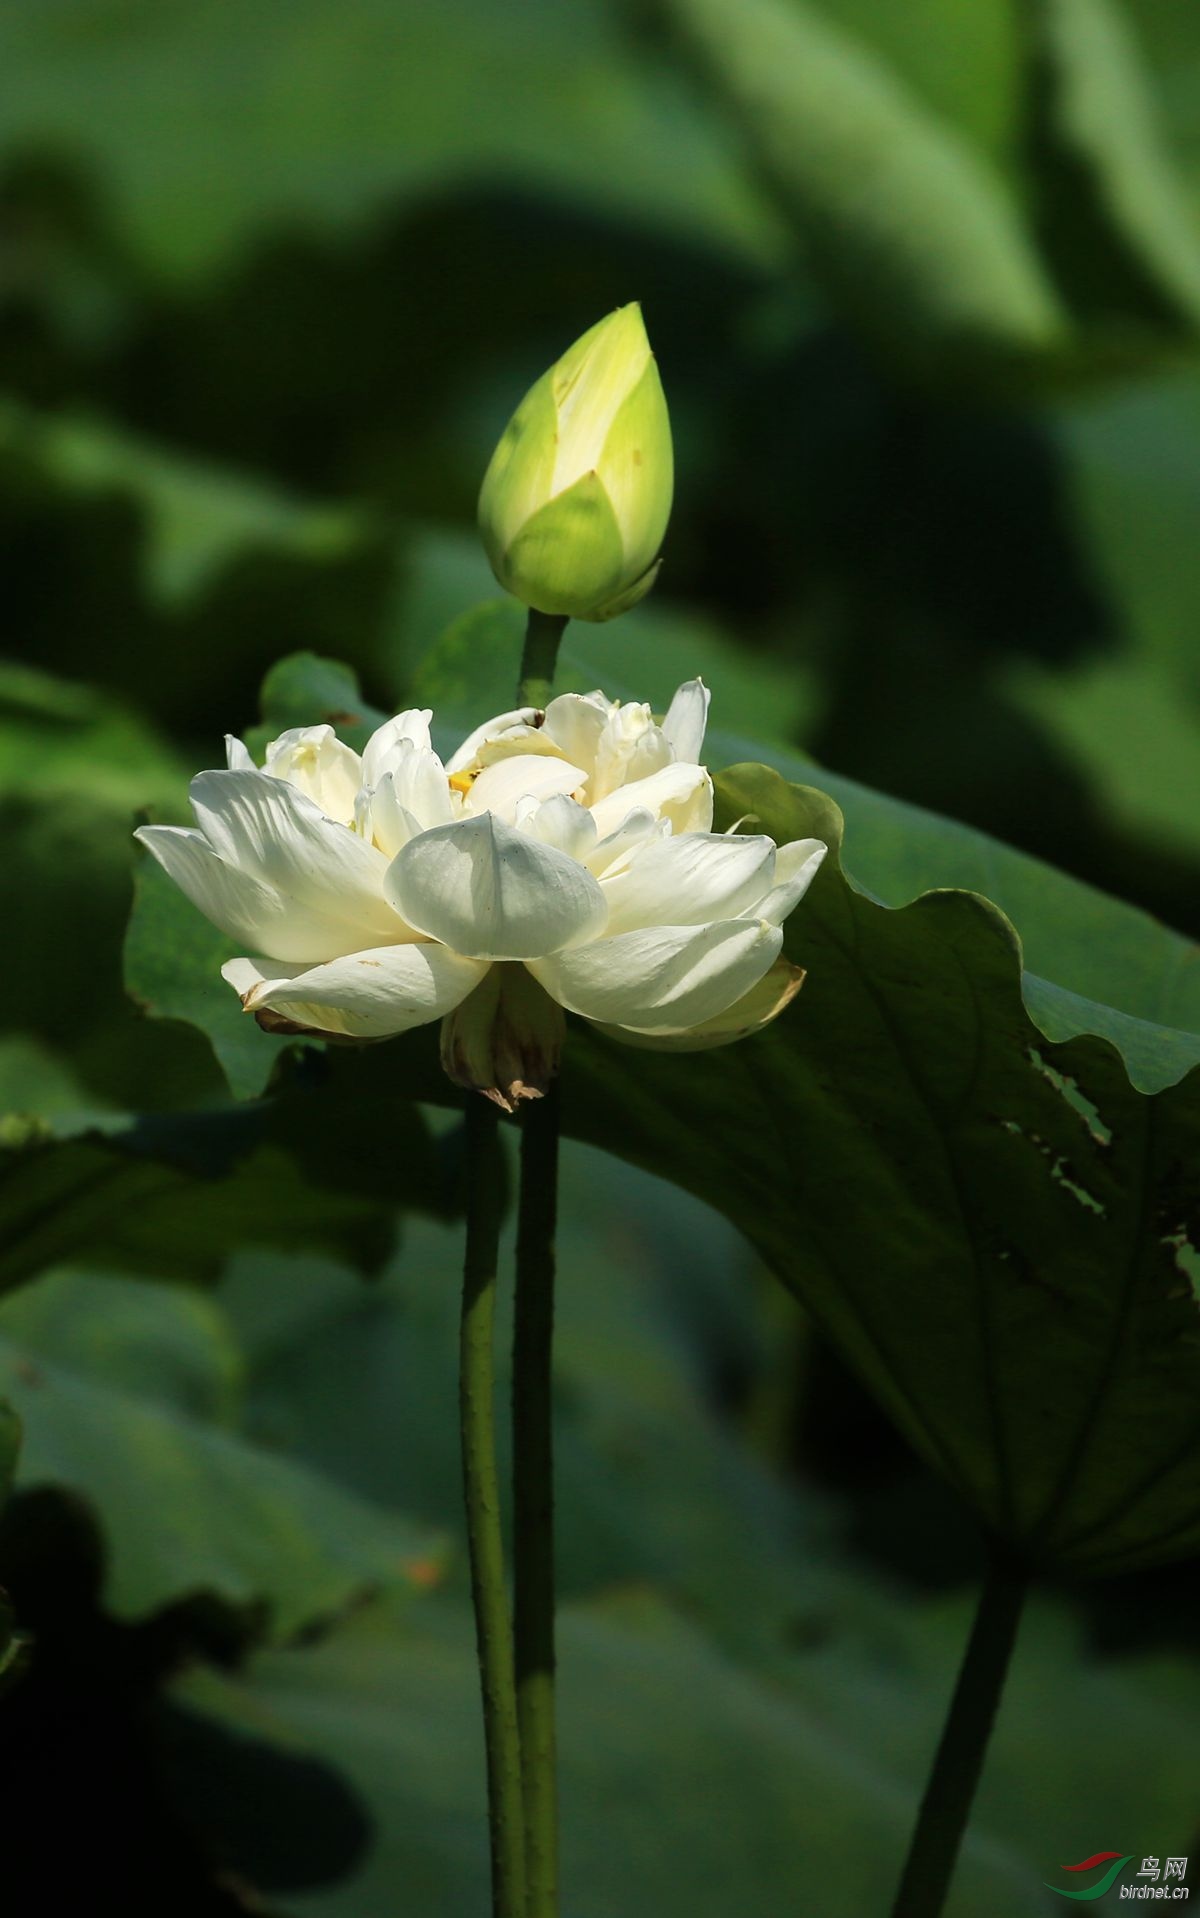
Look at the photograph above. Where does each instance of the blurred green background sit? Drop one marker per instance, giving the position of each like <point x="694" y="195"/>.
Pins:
<point x="924" y="284"/>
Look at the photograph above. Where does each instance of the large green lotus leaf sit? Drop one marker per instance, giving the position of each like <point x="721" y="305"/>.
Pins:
<point x="128" y="1395"/>
<point x="178" y="1194"/>
<point x="996" y="1230"/>
<point x="690" y="1788"/>
<point x="907" y="224"/>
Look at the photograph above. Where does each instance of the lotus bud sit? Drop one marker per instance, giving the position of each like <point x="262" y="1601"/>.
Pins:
<point x="575" y="503"/>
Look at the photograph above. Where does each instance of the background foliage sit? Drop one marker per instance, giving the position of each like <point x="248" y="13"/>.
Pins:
<point x="925" y="288"/>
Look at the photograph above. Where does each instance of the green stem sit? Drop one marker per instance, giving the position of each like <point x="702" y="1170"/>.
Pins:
<point x="482" y="1487"/>
<point x="946" y="1806"/>
<point x="533" y="1496"/>
<point x="543" y="634"/>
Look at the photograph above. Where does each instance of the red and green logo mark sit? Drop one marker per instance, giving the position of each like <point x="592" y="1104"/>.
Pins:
<point x="1103" y="1883"/>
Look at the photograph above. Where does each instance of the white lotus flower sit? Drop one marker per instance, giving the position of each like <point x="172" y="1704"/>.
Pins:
<point x="563" y="859"/>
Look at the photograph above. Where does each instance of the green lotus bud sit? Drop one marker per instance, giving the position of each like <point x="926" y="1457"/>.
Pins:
<point x="576" y="500"/>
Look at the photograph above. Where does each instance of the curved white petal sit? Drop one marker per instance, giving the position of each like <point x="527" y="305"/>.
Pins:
<point x="674" y="976"/>
<point x="796" y="866"/>
<point x="237" y="755"/>
<point x="686" y="719"/>
<point x="491" y="892"/>
<point x="419" y="784"/>
<point x="389" y="824"/>
<point x="500" y="787"/>
<point x="681" y="794"/>
<point x="520" y="719"/>
<point x="365" y="995"/>
<point x="381" y="750"/>
<point x="689" y="879"/>
<point x="630" y="748"/>
<point x="254" y="914"/>
<point x="277" y="836"/>
<point x="749" y="1014"/>
<point x="613" y="853"/>
<point x="317" y="763"/>
<point x="575" y="721"/>
<point x="561" y="822"/>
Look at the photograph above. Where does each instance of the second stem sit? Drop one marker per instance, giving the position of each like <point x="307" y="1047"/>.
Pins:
<point x="533" y="1498"/>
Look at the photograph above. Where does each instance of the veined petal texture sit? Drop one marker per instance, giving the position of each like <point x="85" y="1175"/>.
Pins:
<point x="661" y="976"/>
<point x="492" y="892"/>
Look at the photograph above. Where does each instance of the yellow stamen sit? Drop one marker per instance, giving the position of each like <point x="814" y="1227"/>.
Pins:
<point x="462" y="782"/>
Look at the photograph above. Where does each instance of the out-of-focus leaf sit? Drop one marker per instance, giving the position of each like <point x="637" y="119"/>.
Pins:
<point x="173" y="960"/>
<point x="996" y="1231"/>
<point x="184" y="574"/>
<point x="305" y="690"/>
<point x="963" y="62"/>
<point x="761" y="1787"/>
<point x="196" y="518"/>
<point x="177" y="1195"/>
<point x="10" y="1445"/>
<point x="908" y="226"/>
<point x="288" y="118"/>
<point x="75" y="767"/>
<point x="652" y="1485"/>
<point x="127" y="1393"/>
<point x="1120" y="236"/>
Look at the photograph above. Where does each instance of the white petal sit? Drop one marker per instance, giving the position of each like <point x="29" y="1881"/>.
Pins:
<point x="237" y="755"/>
<point x="380" y="751"/>
<point x="487" y="890"/>
<point x="389" y="824"/>
<point x="630" y="748"/>
<point x="273" y="833"/>
<point x="317" y="763"/>
<point x="613" y="853"/>
<point x="689" y="879"/>
<point x="496" y="728"/>
<point x="687" y="717"/>
<point x="673" y="976"/>
<point x="681" y="794"/>
<point x="526" y="775"/>
<point x="420" y="785"/>
<point x="575" y="721"/>
<point x="366" y="995"/>
<point x="749" y="1014"/>
<point x="560" y="822"/>
<point x="796" y="866"/>
<point x="251" y="913"/>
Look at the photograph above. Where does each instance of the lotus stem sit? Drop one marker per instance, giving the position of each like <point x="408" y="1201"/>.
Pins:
<point x="946" y="1806"/>
<point x="543" y="635"/>
<point x="482" y="1489"/>
<point x="533" y="1501"/>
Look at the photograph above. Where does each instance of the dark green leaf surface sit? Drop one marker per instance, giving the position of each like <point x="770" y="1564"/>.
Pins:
<point x="128" y="1396"/>
<point x="996" y="1230"/>
<point x="177" y="1195"/>
<point x="758" y="1783"/>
